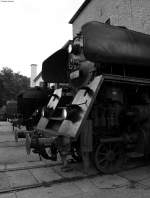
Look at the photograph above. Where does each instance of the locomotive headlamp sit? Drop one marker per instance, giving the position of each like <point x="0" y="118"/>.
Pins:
<point x="35" y="112"/>
<point x="70" y="48"/>
<point x="77" y="45"/>
<point x="44" y="112"/>
<point x="64" y="113"/>
<point x="72" y="112"/>
<point x="47" y="112"/>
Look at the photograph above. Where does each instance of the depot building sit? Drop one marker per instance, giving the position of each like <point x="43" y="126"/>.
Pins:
<point x="133" y="14"/>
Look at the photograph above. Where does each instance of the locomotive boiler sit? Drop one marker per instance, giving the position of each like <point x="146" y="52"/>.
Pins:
<point x="108" y="67"/>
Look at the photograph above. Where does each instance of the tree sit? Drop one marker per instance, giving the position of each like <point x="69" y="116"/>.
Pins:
<point x="11" y="84"/>
<point x="1" y="91"/>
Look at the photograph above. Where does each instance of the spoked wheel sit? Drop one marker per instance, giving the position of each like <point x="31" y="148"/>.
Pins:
<point x="109" y="157"/>
<point x="49" y="152"/>
<point x="45" y="152"/>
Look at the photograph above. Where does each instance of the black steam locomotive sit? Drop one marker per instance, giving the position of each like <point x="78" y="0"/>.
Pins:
<point x="29" y="108"/>
<point x="108" y="67"/>
<point x="30" y="104"/>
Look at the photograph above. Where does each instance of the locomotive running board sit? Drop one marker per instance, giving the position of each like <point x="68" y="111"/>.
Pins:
<point x="126" y="79"/>
<point x="84" y="98"/>
<point x="53" y="102"/>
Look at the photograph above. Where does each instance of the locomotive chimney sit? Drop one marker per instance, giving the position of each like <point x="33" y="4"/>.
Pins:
<point x="33" y="74"/>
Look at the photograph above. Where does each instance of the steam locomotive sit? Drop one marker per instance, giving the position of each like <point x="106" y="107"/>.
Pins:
<point x="29" y="107"/>
<point x="30" y="103"/>
<point x="108" y="68"/>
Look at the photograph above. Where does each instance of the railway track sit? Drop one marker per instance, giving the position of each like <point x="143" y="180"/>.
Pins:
<point x="9" y="169"/>
<point x="62" y="177"/>
<point x="12" y="143"/>
<point x="45" y="184"/>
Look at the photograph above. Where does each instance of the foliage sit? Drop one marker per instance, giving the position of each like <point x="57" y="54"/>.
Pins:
<point x="11" y="84"/>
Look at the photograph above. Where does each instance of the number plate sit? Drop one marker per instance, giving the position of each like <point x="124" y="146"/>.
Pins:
<point x="74" y="74"/>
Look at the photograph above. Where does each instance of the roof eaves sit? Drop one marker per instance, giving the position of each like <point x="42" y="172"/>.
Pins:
<point x="85" y="3"/>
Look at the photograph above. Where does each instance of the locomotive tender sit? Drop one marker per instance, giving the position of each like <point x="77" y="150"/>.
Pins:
<point x="109" y="69"/>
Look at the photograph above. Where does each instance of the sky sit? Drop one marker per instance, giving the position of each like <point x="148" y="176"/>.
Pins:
<point x="32" y="30"/>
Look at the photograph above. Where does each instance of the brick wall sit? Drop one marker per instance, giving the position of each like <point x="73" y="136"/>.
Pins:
<point x="134" y="14"/>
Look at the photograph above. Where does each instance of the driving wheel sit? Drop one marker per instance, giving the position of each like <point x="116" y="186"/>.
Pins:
<point x="109" y="157"/>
